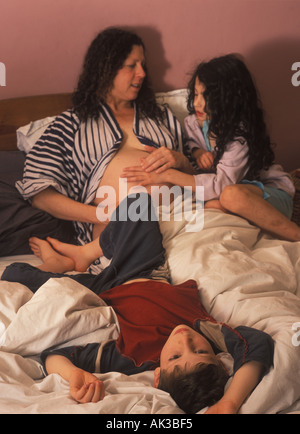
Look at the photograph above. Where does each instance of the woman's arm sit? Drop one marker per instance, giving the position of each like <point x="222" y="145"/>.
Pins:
<point x="84" y="386"/>
<point x="63" y="207"/>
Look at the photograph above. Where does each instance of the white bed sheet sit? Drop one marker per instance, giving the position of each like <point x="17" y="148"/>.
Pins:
<point x="244" y="278"/>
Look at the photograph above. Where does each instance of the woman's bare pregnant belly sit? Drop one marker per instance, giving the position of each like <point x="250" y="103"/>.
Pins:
<point x="124" y="158"/>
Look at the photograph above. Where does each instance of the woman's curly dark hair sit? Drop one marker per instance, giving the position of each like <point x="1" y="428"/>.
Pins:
<point x="105" y="56"/>
<point x="234" y="109"/>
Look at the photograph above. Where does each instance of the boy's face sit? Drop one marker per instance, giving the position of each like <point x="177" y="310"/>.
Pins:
<point x="185" y="348"/>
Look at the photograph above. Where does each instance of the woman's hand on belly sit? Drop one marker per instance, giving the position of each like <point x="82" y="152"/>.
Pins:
<point x="162" y="159"/>
<point x="126" y="157"/>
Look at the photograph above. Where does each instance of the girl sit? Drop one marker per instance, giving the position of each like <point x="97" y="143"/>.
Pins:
<point x="230" y="149"/>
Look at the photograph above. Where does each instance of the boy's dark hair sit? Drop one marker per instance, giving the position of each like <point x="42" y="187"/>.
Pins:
<point x="195" y="389"/>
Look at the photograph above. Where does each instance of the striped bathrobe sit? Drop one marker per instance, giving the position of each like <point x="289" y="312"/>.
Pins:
<point x="71" y="156"/>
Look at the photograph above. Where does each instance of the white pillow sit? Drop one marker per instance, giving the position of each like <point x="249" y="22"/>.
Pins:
<point x="29" y="134"/>
<point x="176" y="100"/>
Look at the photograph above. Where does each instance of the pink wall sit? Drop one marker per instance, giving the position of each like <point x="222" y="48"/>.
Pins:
<point x="42" y="44"/>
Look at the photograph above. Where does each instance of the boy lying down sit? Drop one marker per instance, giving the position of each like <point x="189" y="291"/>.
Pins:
<point x="163" y="327"/>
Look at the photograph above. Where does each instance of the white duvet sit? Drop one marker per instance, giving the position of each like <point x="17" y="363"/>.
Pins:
<point x="244" y="278"/>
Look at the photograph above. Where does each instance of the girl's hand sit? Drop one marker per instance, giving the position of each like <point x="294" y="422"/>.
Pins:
<point x="85" y="387"/>
<point x="139" y="176"/>
<point x="161" y="159"/>
<point x="204" y="159"/>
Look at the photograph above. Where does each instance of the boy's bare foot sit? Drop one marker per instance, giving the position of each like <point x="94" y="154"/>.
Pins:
<point x="82" y="256"/>
<point x="52" y="260"/>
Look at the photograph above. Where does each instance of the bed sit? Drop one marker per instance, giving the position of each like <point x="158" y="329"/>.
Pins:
<point x="244" y="277"/>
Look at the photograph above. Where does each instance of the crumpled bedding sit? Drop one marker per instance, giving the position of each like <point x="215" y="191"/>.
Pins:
<point x="244" y="277"/>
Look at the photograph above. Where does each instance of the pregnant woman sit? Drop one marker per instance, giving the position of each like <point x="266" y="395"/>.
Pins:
<point x="114" y="116"/>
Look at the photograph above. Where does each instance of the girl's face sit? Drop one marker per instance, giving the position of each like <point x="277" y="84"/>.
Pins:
<point x="199" y="102"/>
<point x="129" y="78"/>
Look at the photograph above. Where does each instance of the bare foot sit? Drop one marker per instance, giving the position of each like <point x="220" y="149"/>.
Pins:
<point x="53" y="261"/>
<point x="82" y="256"/>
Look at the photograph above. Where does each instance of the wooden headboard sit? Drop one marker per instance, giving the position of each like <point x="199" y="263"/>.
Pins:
<point x="16" y="112"/>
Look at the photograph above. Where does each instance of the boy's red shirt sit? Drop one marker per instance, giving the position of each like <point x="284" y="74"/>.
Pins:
<point x="150" y="310"/>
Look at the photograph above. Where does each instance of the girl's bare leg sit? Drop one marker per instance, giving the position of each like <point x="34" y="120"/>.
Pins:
<point x="214" y="204"/>
<point x="247" y="201"/>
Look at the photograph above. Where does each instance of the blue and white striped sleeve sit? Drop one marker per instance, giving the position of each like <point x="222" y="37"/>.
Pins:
<point x="50" y="162"/>
<point x="175" y="128"/>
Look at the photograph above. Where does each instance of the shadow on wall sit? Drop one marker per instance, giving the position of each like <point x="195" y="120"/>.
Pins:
<point x="155" y="54"/>
<point x="271" y="65"/>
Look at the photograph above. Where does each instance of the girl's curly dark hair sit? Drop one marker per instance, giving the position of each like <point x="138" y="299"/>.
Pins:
<point x="105" y="56"/>
<point x="234" y="109"/>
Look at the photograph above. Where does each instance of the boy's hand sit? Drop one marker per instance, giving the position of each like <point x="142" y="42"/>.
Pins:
<point x="223" y="407"/>
<point x="85" y="387"/>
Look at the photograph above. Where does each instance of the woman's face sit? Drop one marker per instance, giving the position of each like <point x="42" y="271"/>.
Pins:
<point x="129" y="78"/>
